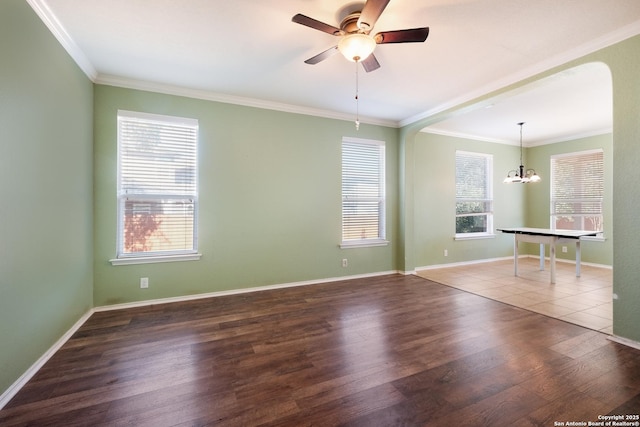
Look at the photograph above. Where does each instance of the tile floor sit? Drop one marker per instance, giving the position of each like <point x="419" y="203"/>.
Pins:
<point x="585" y="300"/>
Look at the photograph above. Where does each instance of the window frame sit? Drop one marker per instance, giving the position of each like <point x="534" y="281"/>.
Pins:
<point x="124" y="195"/>
<point x="380" y="199"/>
<point x="489" y="199"/>
<point x="553" y="201"/>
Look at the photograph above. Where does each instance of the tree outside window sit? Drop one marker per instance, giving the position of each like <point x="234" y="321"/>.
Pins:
<point x="474" y="194"/>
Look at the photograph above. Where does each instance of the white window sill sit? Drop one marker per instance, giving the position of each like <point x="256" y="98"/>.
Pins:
<point x="593" y="238"/>
<point x="155" y="259"/>
<point x="474" y="236"/>
<point x="363" y="243"/>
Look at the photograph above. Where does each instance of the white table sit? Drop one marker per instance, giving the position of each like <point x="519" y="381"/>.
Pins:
<point x="546" y="236"/>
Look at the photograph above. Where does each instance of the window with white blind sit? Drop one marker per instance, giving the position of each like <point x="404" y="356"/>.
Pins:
<point x="157" y="186"/>
<point x="577" y="191"/>
<point x="363" y="192"/>
<point x="474" y="194"/>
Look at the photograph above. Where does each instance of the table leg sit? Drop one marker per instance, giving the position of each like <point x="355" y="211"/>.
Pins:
<point x="515" y="254"/>
<point x="552" y="255"/>
<point x="578" y="258"/>
<point x="541" y="256"/>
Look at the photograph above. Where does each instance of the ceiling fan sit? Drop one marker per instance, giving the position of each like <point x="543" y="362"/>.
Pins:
<point x="356" y="44"/>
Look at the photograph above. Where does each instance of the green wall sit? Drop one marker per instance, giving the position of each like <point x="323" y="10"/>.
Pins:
<point x="435" y="195"/>
<point x="46" y="191"/>
<point x="269" y="194"/>
<point x="538" y="197"/>
<point x="514" y="205"/>
<point x="270" y="206"/>
<point x="624" y="64"/>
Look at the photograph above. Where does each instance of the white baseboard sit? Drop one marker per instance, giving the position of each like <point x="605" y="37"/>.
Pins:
<point x="24" y="378"/>
<point x="464" y="263"/>
<point x="33" y="369"/>
<point x="482" y="261"/>
<point x="625" y="341"/>
<point x="237" y="291"/>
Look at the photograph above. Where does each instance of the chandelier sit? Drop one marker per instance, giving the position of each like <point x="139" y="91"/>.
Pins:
<point x="521" y="175"/>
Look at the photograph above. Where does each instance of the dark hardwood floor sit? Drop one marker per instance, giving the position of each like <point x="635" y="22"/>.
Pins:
<point x="385" y="351"/>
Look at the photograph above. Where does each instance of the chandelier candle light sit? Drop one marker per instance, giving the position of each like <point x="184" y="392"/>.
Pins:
<point x="521" y="175"/>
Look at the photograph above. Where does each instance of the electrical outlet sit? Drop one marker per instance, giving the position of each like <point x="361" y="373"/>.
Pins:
<point x="144" y="282"/>
<point x="564" y="249"/>
<point x="446" y="252"/>
<point x="345" y="262"/>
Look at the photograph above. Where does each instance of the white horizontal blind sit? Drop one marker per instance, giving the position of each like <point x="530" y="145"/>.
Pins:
<point x="577" y="190"/>
<point x="474" y="193"/>
<point x="363" y="190"/>
<point x="157" y="185"/>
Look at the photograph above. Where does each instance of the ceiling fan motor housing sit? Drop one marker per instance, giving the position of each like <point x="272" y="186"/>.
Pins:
<point x="349" y="24"/>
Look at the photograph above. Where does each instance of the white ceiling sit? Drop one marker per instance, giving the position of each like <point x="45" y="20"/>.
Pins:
<point x="249" y="52"/>
<point x="573" y="103"/>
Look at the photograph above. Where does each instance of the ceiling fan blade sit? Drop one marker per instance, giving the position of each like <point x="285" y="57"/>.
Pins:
<point x="412" y="35"/>
<point x="370" y="13"/>
<point x="315" y="24"/>
<point x="322" y="56"/>
<point x="370" y="63"/>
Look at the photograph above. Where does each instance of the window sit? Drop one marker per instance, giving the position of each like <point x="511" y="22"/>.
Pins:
<point x="577" y="190"/>
<point x="363" y="195"/>
<point x="474" y="194"/>
<point x="157" y="185"/>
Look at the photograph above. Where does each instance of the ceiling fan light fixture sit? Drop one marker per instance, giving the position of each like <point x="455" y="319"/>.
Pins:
<point x="356" y="47"/>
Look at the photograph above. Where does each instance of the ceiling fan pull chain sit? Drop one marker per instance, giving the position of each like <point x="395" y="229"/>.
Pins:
<point x="357" y="102"/>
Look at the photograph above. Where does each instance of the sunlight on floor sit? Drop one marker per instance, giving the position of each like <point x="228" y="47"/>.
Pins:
<point x="584" y="301"/>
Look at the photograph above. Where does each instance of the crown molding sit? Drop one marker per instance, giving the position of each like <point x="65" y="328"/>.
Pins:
<point x="53" y="24"/>
<point x="466" y="136"/>
<point x="607" y="40"/>
<point x="56" y="28"/>
<point x="127" y="83"/>
<point x="595" y="132"/>
<point x="549" y="141"/>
